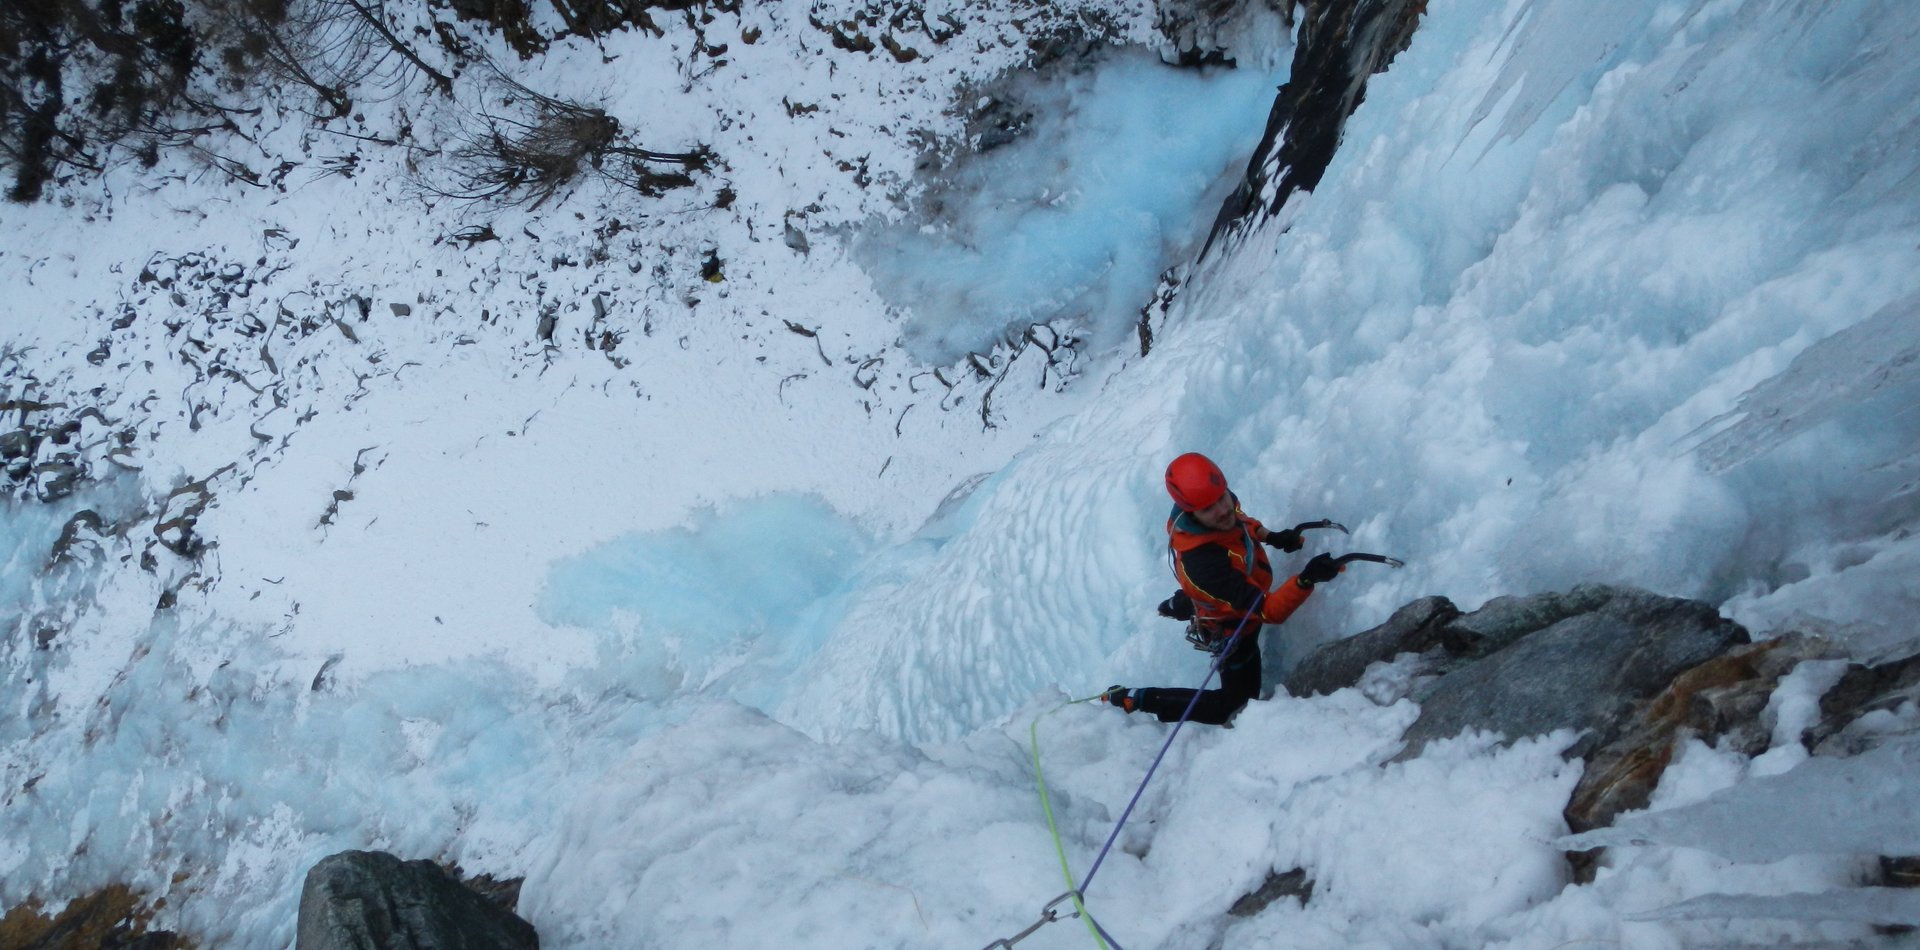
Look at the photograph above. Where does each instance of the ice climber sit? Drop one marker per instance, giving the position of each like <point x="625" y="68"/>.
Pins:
<point x="1224" y="575"/>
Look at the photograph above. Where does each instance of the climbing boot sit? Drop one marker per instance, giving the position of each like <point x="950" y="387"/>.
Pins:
<point x="1119" y="698"/>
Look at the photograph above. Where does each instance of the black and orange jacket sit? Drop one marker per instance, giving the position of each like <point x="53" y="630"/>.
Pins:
<point x="1227" y="574"/>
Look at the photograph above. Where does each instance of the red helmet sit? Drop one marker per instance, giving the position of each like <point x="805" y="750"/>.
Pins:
<point x="1195" y="482"/>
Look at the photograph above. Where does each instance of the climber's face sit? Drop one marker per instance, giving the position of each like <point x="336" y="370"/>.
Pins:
<point x="1221" y="515"/>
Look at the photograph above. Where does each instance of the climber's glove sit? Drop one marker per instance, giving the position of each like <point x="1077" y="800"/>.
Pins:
<point x="1177" y="607"/>
<point x="1318" y="571"/>
<point x="1286" y="539"/>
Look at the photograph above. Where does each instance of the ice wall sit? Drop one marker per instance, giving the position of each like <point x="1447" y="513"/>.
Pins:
<point x="1493" y="343"/>
<point x="1114" y="178"/>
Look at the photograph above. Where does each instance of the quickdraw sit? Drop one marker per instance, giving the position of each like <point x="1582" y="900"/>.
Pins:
<point x="1048" y="914"/>
<point x="1204" y="638"/>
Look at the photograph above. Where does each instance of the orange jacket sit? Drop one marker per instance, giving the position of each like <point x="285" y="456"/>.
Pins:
<point x="1227" y="574"/>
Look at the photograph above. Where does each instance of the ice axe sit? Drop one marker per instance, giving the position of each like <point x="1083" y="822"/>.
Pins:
<point x="1325" y="567"/>
<point x="1322" y="523"/>
<point x="1345" y="559"/>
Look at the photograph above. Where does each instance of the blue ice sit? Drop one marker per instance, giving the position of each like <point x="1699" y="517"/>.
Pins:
<point x="21" y="535"/>
<point x="1118" y="177"/>
<point x="28" y="535"/>
<point x="732" y="602"/>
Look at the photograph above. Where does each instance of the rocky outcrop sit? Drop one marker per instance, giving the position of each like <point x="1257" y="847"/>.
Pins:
<point x="1205" y="32"/>
<point x="1637" y="674"/>
<point x="1416" y="628"/>
<point x="1584" y="659"/>
<point x="1278" y="886"/>
<point x="1584" y="672"/>
<point x="112" y="918"/>
<point x="363" y="900"/>
<point x="1721" y="702"/>
<point x="40" y="447"/>
<point x="1340" y="44"/>
<point x="1864" y="693"/>
<point x="1525" y="666"/>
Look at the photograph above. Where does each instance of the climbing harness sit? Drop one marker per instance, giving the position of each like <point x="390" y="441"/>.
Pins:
<point x="1203" y="637"/>
<point x="1206" y="638"/>
<point x="1077" y="893"/>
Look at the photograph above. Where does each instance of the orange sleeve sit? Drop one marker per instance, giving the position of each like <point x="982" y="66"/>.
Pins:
<point x="1282" y="601"/>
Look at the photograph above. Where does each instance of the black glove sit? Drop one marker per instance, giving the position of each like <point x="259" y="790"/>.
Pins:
<point x="1318" y="571"/>
<point x="1178" y="607"/>
<point x="1286" y="539"/>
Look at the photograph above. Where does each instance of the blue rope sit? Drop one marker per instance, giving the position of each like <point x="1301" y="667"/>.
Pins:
<point x="1219" y="658"/>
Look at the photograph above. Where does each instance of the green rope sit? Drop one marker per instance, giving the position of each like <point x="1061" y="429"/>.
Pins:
<point x="1046" y="804"/>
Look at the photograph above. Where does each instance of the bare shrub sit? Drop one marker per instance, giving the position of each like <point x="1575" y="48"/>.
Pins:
<point x="76" y="79"/>
<point x="332" y="47"/>
<point x="549" y="144"/>
<point x="80" y="79"/>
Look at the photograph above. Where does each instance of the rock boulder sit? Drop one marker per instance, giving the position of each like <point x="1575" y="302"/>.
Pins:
<point x="1416" y="628"/>
<point x="1585" y="672"/>
<point x="370" y="900"/>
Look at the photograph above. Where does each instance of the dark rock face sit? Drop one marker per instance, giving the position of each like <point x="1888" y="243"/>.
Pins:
<point x="1583" y="672"/>
<point x="1862" y="690"/>
<point x="1277" y="886"/>
<point x="1340" y="44"/>
<point x="1525" y="666"/>
<point x="1503" y="620"/>
<point x="1434" y="622"/>
<point x="370" y="900"/>
<point x="1415" y="628"/>
<point x="1201" y="32"/>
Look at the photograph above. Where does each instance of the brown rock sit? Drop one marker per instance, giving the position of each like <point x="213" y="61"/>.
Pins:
<point x="1709" y="701"/>
<point x="1718" y="700"/>
<point x="112" y="918"/>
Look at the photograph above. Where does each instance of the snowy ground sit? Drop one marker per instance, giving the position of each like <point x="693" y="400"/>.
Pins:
<point x="732" y="635"/>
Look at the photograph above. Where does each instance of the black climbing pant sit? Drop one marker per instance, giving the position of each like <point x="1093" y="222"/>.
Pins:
<point x="1239" y="682"/>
